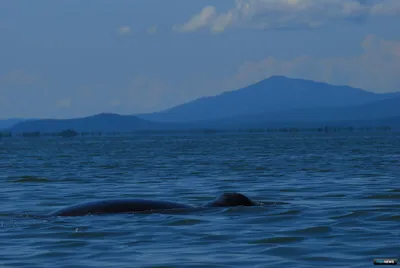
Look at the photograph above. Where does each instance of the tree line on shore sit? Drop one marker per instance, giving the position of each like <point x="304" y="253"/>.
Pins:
<point x="72" y="133"/>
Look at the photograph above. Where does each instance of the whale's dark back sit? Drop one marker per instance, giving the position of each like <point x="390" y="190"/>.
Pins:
<point x="114" y="206"/>
<point x="232" y="200"/>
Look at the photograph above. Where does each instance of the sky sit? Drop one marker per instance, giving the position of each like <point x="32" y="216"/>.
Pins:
<point x="63" y="59"/>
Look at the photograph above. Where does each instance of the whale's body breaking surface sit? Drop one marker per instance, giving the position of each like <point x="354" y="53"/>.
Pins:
<point x="114" y="206"/>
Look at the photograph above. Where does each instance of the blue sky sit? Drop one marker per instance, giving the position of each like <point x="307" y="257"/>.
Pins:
<point x="72" y="58"/>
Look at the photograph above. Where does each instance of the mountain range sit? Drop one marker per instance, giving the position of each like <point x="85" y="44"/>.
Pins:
<point x="6" y="123"/>
<point x="371" y="111"/>
<point x="277" y="100"/>
<point x="108" y="122"/>
<point x="269" y="96"/>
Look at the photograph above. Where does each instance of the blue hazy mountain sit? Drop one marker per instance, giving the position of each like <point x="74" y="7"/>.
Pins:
<point x="104" y="122"/>
<point x="274" y="102"/>
<point x="372" y="111"/>
<point x="275" y="94"/>
<point x="368" y="111"/>
<point x="377" y="113"/>
<point x="7" y="123"/>
<point x="384" y="112"/>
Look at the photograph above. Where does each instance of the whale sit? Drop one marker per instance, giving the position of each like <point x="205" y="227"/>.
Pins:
<point x="118" y="206"/>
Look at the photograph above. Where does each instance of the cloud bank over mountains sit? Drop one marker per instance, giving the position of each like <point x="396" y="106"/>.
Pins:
<point x="376" y="68"/>
<point x="278" y="14"/>
<point x="130" y="58"/>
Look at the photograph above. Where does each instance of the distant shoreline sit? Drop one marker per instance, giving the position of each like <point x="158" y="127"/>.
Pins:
<point x="292" y="130"/>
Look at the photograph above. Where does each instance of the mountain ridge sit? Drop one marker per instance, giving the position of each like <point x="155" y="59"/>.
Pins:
<point x="274" y="94"/>
<point x="249" y="106"/>
<point x="373" y="111"/>
<point x="99" y="122"/>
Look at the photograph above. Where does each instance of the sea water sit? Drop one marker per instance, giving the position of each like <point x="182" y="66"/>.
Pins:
<point x="337" y="200"/>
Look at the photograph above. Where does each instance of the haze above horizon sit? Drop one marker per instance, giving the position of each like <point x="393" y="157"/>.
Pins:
<point x="72" y="58"/>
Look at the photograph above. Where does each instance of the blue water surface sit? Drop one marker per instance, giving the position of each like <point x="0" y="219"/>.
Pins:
<point x="337" y="200"/>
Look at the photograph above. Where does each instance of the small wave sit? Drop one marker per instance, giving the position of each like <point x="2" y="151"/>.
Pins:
<point x="215" y="237"/>
<point x="261" y="168"/>
<point x="110" y="166"/>
<point x="324" y="259"/>
<point x="353" y="214"/>
<point x="285" y="251"/>
<point x="63" y="156"/>
<point x="278" y="240"/>
<point x="318" y="170"/>
<point x="70" y="243"/>
<point x="185" y="222"/>
<point x="196" y="173"/>
<point x="289" y="190"/>
<point x="313" y="230"/>
<point x="383" y="196"/>
<point x="332" y="195"/>
<point x="78" y="233"/>
<point x="386" y="217"/>
<point x="30" y="179"/>
<point x="287" y="212"/>
<point x="161" y="266"/>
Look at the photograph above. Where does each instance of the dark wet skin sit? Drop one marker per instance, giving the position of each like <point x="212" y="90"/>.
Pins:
<point x="114" y="206"/>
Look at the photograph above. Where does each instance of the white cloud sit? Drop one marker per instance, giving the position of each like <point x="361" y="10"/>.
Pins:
<point x="206" y="17"/>
<point x="152" y="30"/>
<point x="271" y="14"/>
<point x="377" y="68"/>
<point x="124" y="30"/>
